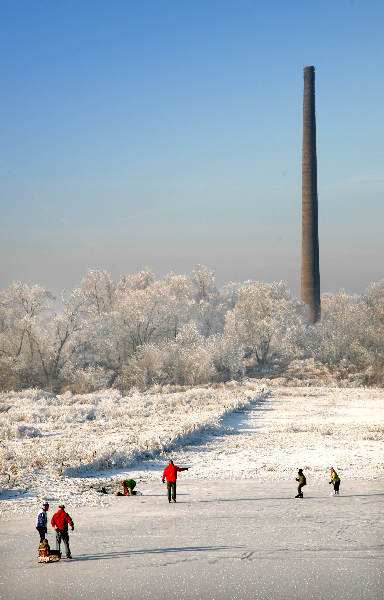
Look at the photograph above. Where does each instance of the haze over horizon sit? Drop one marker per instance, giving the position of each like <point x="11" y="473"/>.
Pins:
<point x="169" y="134"/>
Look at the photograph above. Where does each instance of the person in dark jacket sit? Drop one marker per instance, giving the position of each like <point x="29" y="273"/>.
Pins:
<point x="170" y="474"/>
<point x="302" y="482"/>
<point x="41" y="524"/>
<point x="60" y="522"/>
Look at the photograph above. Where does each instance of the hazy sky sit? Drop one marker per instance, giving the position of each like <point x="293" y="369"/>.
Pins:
<point x="168" y="133"/>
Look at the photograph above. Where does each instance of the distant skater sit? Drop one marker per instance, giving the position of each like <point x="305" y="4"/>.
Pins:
<point x="41" y="524"/>
<point x="60" y="522"/>
<point x="335" y="480"/>
<point x="302" y="482"/>
<point x="170" y="474"/>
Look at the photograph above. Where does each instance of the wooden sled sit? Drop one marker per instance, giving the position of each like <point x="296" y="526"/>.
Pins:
<point x="46" y="555"/>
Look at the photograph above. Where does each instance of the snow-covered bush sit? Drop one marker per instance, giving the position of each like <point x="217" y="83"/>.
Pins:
<point x="186" y="360"/>
<point x="308" y="370"/>
<point x="70" y="434"/>
<point x="88" y="379"/>
<point x="227" y="358"/>
<point x="27" y="431"/>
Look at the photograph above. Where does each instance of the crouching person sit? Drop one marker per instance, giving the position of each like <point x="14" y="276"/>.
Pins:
<point x="60" y="522"/>
<point x="128" y="486"/>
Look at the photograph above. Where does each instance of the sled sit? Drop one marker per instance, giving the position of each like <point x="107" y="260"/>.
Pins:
<point x="48" y="559"/>
<point x="46" y="555"/>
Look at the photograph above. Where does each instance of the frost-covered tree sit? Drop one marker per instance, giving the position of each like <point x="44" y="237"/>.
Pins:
<point x="209" y="307"/>
<point x="374" y="299"/>
<point x="36" y="341"/>
<point x="21" y="308"/>
<point x="182" y="330"/>
<point x="98" y="290"/>
<point x="349" y="338"/>
<point x="60" y="339"/>
<point x="203" y="280"/>
<point x="262" y="322"/>
<point x="138" y="281"/>
<point x="226" y="357"/>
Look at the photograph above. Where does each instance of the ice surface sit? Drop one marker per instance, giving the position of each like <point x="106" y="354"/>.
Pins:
<point x="223" y="540"/>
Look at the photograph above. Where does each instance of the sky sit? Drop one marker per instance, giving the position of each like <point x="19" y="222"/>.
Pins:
<point x="168" y="133"/>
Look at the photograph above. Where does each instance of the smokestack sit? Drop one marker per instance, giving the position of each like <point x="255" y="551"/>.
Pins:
<point x="310" y="272"/>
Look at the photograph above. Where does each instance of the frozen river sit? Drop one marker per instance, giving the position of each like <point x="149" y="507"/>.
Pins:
<point x="236" y="532"/>
<point x="229" y="540"/>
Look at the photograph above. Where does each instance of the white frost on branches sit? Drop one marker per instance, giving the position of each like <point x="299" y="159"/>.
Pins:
<point x="181" y="329"/>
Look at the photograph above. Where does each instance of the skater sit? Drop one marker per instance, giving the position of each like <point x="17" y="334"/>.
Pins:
<point x="41" y="524"/>
<point x="128" y="486"/>
<point x="302" y="482"/>
<point x="335" y="479"/>
<point x="170" y="474"/>
<point x="60" y="522"/>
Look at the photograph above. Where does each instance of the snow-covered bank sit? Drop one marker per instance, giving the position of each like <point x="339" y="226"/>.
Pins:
<point x="232" y="432"/>
<point x="51" y="443"/>
<point x="223" y="540"/>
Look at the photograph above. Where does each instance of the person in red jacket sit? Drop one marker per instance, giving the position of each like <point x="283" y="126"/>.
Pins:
<point x="60" y="522"/>
<point x="170" y="474"/>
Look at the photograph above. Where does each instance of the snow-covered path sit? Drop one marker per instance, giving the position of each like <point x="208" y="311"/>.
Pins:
<point x="289" y="428"/>
<point x="223" y="540"/>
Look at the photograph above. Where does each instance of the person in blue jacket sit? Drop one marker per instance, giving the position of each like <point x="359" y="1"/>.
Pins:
<point x="41" y="524"/>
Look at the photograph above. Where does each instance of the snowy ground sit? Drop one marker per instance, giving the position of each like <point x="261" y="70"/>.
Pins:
<point x="236" y="531"/>
<point x="290" y="428"/>
<point x="232" y="432"/>
<point x="223" y="540"/>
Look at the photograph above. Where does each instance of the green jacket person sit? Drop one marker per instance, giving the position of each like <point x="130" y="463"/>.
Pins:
<point x="128" y="486"/>
<point x="335" y="480"/>
<point x="302" y="482"/>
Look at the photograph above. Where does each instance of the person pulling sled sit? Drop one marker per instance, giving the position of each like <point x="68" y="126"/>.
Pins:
<point x="41" y="524"/>
<point x="44" y="553"/>
<point x="302" y="482"/>
<point x="60" y="522"/>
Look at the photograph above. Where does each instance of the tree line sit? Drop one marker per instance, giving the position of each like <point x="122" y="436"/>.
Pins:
<point x="182" y="330"/>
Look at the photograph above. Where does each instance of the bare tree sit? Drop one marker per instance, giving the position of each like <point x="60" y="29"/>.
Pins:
<point x="310" y="272"/>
